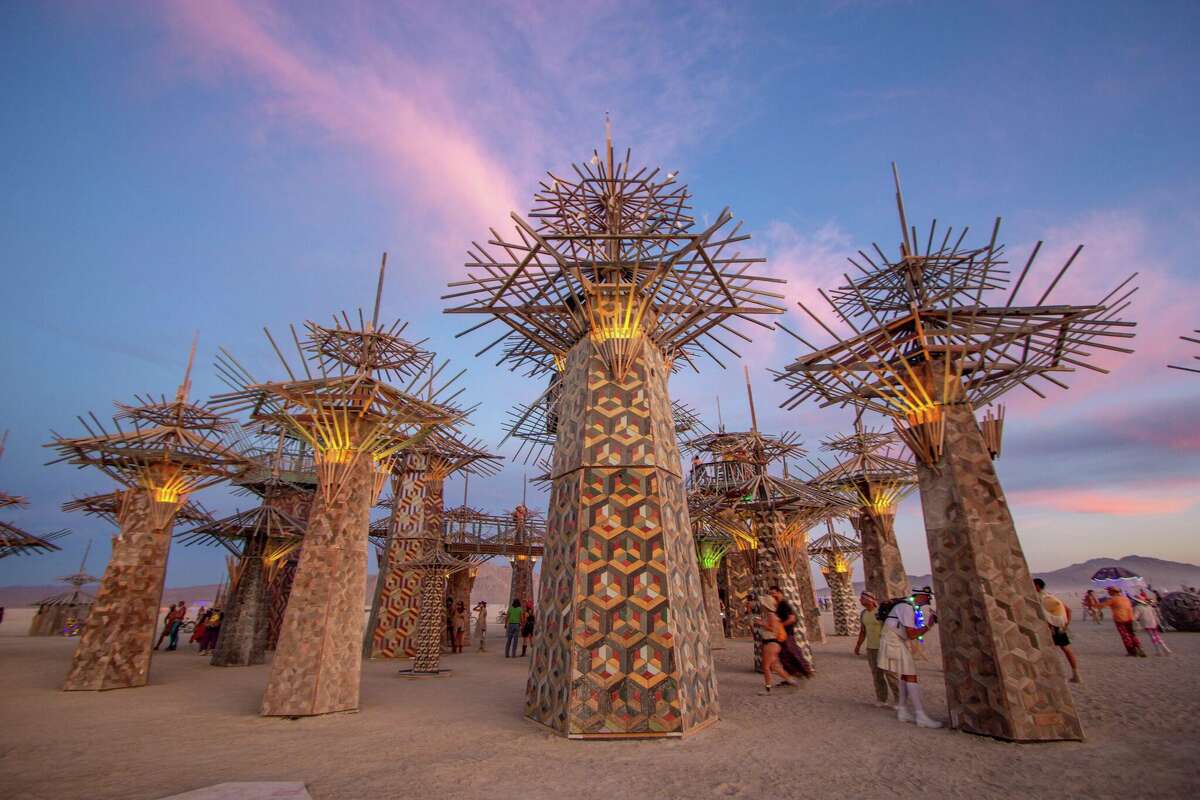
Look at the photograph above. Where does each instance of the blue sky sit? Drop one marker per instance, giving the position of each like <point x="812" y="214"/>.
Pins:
<point x="220" y="167"/>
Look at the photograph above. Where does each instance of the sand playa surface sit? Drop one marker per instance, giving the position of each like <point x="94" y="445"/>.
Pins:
<point x="463" y="736"/>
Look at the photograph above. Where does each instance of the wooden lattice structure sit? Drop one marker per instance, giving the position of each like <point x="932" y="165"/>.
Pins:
<point x="835" y="555"/>
<point x="161" y="451"/>
<point x="610" y="283"/>
<point x="13" y="540"/>
<point x="341" y="402"/>
<point x="434" y="569"/>
<point x="874" y="472"/>
<point x="932" y="349"/>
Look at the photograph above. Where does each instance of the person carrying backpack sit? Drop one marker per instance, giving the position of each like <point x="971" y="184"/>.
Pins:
<point x="900" y="626"/>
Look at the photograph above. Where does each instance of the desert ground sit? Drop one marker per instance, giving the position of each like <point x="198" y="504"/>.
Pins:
<point x="463" y="735"/>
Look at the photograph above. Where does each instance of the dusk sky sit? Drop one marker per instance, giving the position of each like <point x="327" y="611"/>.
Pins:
<point x="217" y="166"/>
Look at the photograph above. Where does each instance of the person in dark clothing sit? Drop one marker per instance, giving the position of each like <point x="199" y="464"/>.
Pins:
<point x="784" y="610"/>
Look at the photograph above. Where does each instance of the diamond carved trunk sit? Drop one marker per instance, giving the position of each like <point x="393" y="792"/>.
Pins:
<point x="808" y="596"/>
<point x="1002" y="674"/>
<point x="397" y="590"/>
<point x="841" y="597"/>
<point x="117" y="639"/>
<point x="622" y="644"/>
<point x="243" y="637"/>
<point x="771" y="568"/>
<point x="883" y="568"/>
<point x="520" y="585"/>
<point x="712" y="608"/>
<point x="318" y="659"/>
<point x="739" y="583"/>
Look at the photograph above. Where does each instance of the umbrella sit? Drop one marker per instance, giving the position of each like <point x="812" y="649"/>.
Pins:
<point x="1119" y="577"/>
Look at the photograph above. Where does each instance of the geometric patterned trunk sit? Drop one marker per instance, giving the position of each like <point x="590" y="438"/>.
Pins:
<point x="243" y="637"/>
<point x="279" y="592"/>
<point x="117" y="639"/>
<point x="808" y="607"/>
<point x="770" y="569"/>
<point x="622" y="643"/>
<point x="841" y="596"/>
<point x="712" y="608"/>
<point x="397" y="589"/>
<point x="739" y="583"/>
<point x="431" y="623"/>
<point x="883" y="567"/>
<point x="1002" y="674"/>
<point x="318" y="660"/>
<point x="520" y="586"/>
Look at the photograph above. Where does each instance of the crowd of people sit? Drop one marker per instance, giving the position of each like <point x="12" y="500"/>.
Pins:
<point x="206" y="629"/>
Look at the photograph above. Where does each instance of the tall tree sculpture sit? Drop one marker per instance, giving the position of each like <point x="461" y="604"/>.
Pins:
<point x="932" y="352"/>
<point x="875" y="474"/>
<point x="712" y="543"/>
<point x="357" y="425"/>
<point x="835" y="554"/>
<point x="13" y="540"/>
<point x="171" y="449"/>
<point x="283" y="477"/>
<point x="416" y="530"/>
<point x="609" y="285"/>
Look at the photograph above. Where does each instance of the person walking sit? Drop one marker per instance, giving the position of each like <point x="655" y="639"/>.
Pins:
<point x="480" y="610"/>
<point x="1091" y="607"/>
<point x="212" y="629"/>
<point x="899" y="628"/>
<point x="180" y="616"/>
<point x="460" y="626"/>
<point x="783" y="609"/>
<point x="1147" y="617"/>
<point x="512" y="628"/>
<point x="774" y="637"/>
<point x="870" y="626"/>
<point x="168" y="625"/>
<point x="198" y="631"/>
<point x="527" y="627"/>
<point x="1058" y="617"/>
<point x="1122" y="614"/>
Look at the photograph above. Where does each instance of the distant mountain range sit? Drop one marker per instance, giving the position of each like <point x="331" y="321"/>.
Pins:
<point x="492" y="581"/>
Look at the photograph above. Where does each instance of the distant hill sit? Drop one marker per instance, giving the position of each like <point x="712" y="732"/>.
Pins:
<point x="492" y="581"/>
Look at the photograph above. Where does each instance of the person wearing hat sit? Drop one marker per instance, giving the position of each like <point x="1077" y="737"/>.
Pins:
<point x="868" y="633"/>
<point x="1122" y="613"/>
<point x="899" y="628"/>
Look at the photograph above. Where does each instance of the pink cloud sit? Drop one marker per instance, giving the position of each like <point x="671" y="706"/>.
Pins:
<point x="1125" y="500"/>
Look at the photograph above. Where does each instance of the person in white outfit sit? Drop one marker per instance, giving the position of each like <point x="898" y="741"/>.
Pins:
<point x="899" y="628"/>
<point x="1147" y="617"/>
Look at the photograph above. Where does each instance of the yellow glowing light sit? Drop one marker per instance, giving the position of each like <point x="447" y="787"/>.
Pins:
<point x="924" y="414"/>
<point x="166" y="495"/>
<point x="337" y="455"/>
<point x="560" y="362"/>
<point x="626" y="329"/>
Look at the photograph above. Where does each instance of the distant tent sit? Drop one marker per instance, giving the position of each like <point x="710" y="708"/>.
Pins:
<point x="64" y="614"/>
<point x="1119" y="577"/>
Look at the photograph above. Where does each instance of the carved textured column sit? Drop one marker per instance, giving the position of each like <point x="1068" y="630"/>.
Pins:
<point x="739" y="582"/>
<point x="712" y="607"/>
<point x="243" y="637"/>
<point x="431" y="622"/>
<point x="397" y="590"/>
<point x="520" y="586"/>
<point x="841" y="596"/>
<point x="622" y="648"/>
<point x="807" y="593"/>
<point x="318" y="660"/>
<point x="117" y="639"/>
<point x="279" y="592"/>
<point x="1002" y="674"/>
<point x="771" y="569"/>
<point x="883" y="567"/>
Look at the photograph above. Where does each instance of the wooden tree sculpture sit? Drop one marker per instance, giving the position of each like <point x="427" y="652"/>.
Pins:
<point x="13" y="540"/>
<point x="283" y="478"/>
<point x="609" y="285"/>
<point x="170" y="449"/>
<point x="712" y="543"/>
<point x="417" y="529"/>
<point x="1193" y="340"/>
<point x="434" y="569"/>
<point x="835" y="554"/>
<point x="768" y="509"/>
<point x="357" y="425"/>
<point x="875" y="474"/>
<point x="933" y="351"/>
<point x="528" y="527"/>
<point x="63" y="614"/>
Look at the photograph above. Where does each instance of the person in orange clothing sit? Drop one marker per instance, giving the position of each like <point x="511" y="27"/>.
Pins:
<point x="1122" y="612"/>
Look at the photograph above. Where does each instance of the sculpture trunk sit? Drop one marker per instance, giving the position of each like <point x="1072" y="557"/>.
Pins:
<point x="1002" y="674"/>
<point x="771" y="569"/>
<point x="460" y="587"/>
<point x="243" y="637"/>
<point x="883" y="568"/>
<point x="739" y="582"/>
<point x="431" y="622"/>
<point x="396" y="604"/>
<point x="318" y="660"/>
<point x="807" y="593"/>
<point x="279" y="592"/>
<point x="117" y="639"/>
<point x="622" y="645"/>
<point x="712" y="607"/>
<point x="520" y="586"/>
<point x="841" y="595"/>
